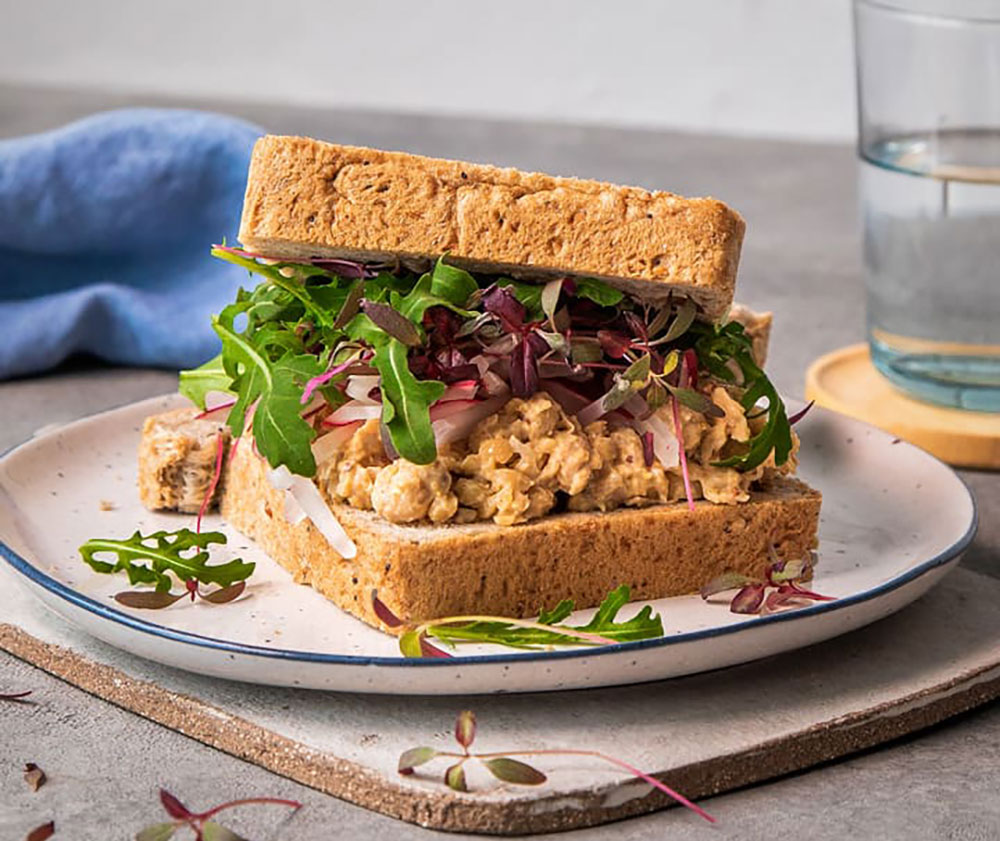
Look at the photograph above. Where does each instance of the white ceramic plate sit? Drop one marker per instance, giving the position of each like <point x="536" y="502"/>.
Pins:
<point x="894" y="520"/>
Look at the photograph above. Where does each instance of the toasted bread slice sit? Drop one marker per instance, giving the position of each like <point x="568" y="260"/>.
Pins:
<point x="306" y="198"/>
<point x="423" y="572"/>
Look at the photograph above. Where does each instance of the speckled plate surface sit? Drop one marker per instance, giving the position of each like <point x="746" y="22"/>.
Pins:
<point x="894" y="520"/>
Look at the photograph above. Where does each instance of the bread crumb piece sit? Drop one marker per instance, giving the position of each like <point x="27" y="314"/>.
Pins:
<point x="106" y="505"/>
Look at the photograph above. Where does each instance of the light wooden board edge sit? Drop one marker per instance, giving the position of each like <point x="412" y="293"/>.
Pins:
<point x="452" y="812"/>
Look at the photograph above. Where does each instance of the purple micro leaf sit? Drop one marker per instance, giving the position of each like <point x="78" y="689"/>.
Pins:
<point x="344" y="268"/>
<point x="148" y="599"/>
<point x="225" y="594"/>
<point x="212" y="831"/>
<point x="614" y="344"/>
<point x="396" y="325"/>
<point x="428" y="650"/>
<point x="636" y="325"/>
<point x="749" y="599"/>
<point x="500" y="301"/>
<point x="726" y="581"/>
<point x="647" y="448"/>
<point x="386" y="616"/>
<point x="413" y="757"/>
<point x="350" y="307"/>
<point x="524" y="366"/>
<point x="454" y="777"/>
<point x="809" y="594"/>
<point x="43" y="832"/>
<point x="465" y="728"/>
<point x="173" y="806"/>
<point x="801" y="413"/>
<point x="785" y="596"/>
<point x="513" y="771"/>
<point x="791" y="570"/>
<point x="157" y="832"/>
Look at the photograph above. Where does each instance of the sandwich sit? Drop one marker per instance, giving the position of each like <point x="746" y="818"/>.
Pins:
<point x="475" y="390"/>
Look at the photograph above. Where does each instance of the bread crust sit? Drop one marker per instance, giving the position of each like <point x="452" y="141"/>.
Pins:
<point x="307" y="198"/>
<point x="426" y="572"/>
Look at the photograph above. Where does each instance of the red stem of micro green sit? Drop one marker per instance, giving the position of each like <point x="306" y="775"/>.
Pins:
<point x="246" y="801"/>
<point x="679" y="432"/>
<point x="642" y="775"/>
<point x="219" y="449"/>
<point x="596" y="639"/>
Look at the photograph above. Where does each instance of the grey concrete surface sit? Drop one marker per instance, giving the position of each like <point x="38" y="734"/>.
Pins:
<point x="800" y="259"/>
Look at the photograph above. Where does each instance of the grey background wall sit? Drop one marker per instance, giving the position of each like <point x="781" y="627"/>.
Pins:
<point x="778" y="68"/>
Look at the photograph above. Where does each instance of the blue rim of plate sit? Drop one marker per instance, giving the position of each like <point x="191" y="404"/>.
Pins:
<point x="36" y="576"/>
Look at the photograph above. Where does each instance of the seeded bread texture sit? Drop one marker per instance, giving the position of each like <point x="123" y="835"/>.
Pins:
<point x="306" y="198"/>
<point x="177" y="456"/>
<point x="427" y="572"/>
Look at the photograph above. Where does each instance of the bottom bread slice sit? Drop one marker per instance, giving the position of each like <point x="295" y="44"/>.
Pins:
<point x="424" y="572"/>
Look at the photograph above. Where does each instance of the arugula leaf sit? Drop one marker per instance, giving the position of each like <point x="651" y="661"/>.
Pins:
<point x="421" y="298"/>
<point x="198" y="382"/>
<point x="644" y="625"/>
<point x="148" y="559"/>
<point x="452" y="284"/>
<point x="598" y="291"/>
<point x="406" y="403"/>
<point x="282" y="436"/>
<point x="715" y="346"/>
<point x="529" y="294"/>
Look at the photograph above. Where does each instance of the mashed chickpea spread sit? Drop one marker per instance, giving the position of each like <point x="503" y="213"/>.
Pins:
<point x="531" y="458"/>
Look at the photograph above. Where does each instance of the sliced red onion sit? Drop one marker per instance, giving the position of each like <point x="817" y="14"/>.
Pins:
<point x="220" y="401"/>
<point x="462" y="390"/>
<point x="447" y="408"/>
<point x="311" y="501"/>
<point x="293" y="511"/>
<point x="457" y="427"/>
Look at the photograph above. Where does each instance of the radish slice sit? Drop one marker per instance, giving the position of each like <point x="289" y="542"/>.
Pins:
<point x="309" y="499"/>
<point x="326" y="445"/>
<point x="353" y="411"/>
<point x="360" y="387"/>
<point x="457" y="426"/>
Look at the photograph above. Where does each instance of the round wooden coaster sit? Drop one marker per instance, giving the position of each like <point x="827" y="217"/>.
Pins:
<point x="847" y="382"/>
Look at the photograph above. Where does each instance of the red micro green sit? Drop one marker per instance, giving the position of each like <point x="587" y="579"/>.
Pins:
<point x="777" y="589"/>
<point x="505" y="768"/>
<point x="801" y="413"/>
<point x="43" y="832"/>
<point x="201" y="823"/>
<point x="220" y="448"/>
<point x="224" y="405"/>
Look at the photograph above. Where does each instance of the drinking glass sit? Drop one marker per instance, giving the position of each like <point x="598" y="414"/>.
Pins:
<point x="928" y="76"/>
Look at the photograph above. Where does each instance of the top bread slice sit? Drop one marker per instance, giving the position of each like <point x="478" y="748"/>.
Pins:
<point x="306" y="198"/>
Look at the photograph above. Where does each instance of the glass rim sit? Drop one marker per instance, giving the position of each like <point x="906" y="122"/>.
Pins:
<point x="899" y="8"/>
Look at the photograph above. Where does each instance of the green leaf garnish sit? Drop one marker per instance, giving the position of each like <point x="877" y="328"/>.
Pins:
<point x="406" y="403"/>
<point x="514" y="633"/>
<point x="598" y="291"/>
<point x="151" y="559"/>
<point x="452" y="284"/>
<point x="198" y="382"/>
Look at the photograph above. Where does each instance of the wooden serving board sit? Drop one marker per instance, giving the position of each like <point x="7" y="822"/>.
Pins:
<point x="702" y="735"/>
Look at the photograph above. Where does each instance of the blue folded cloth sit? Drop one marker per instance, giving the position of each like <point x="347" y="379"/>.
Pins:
<point x="105" y="229"/>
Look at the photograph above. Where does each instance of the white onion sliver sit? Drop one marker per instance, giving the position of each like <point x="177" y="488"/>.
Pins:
<point x="293" y="511"/>
<point x="309" y="500"/>
<point x="665" y="445"/>
<point x="325" y="445"/>
<point x="353" y="411"/>
<point x="308" y="497"/>
<point x="359" y="386"/>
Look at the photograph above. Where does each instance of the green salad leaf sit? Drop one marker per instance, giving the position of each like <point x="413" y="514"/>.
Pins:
<point x="406" y="403"/>
<point x="644" y="625"/>
<point x="196" y="383"/>
<point x="152" y="558"/>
